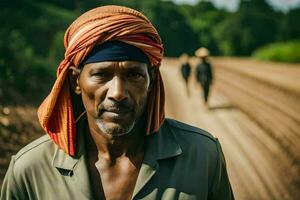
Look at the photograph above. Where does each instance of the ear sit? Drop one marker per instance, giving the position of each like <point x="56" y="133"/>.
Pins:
<point x="74" y="74"/>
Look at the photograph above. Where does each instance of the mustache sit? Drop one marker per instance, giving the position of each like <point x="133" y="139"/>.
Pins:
<point x="115" y="106"/>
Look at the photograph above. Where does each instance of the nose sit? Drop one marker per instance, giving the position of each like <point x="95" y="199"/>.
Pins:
<point x="117" y="89"/>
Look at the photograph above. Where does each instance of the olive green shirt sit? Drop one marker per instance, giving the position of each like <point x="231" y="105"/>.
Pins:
<point x="180" y="162"/>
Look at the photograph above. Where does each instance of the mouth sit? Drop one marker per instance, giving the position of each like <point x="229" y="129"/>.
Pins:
<point x="117" y="110"/>
<point x="115" y="113"/>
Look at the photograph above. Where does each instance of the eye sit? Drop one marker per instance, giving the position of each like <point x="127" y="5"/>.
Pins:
<point x="135" y="75"/>
<point x="101" y="74"/>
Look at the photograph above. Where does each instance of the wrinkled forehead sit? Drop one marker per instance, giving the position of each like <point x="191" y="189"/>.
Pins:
<point x="119" y="67"/>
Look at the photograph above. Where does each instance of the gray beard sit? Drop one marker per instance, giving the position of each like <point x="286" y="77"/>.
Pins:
<point x="115" y="131"/>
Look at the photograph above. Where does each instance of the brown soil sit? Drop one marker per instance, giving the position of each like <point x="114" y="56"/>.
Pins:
<point x="257" y="165"/>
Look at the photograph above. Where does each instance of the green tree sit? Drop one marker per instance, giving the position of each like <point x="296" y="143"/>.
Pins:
<point x="174" y="29"/>
<point x="27" y="37"/>
<point x="253" y="25"/>
<point x="289" y="26"/>
<point x="203" y="17"/>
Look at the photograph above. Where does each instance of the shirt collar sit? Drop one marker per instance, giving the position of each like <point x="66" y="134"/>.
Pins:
<point x="161" y="145"/>
<point x="75" y="167"/>
<point x="66" y="163"/>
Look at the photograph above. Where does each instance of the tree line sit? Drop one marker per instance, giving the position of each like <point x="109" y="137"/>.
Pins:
<point x="31" y="43"/>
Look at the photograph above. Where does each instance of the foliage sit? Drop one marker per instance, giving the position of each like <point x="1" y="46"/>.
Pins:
<point x="177" y="35"/>
<point x="242" y="32"/>
<point x="31" y="34"/>
<point x="28" y="48"/>
<point x="203" y="18"/>
<point x="281" y="52"/>
<point x="289" y="26"/>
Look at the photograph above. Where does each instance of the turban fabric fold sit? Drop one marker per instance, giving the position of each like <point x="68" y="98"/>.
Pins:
<point x="95" y="27"/>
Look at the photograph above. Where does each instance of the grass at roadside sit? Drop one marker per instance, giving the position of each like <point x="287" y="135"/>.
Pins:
<point x="281" y="52"/>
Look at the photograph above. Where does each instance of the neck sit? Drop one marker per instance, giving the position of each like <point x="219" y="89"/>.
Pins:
<point x="111" y="148"/>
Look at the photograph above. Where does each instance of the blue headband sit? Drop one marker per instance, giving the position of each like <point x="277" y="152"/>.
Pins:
<point x="115" y="51"/>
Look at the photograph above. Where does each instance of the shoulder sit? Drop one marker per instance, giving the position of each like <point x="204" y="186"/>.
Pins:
<point x="36" y="148"/>
<point x="36" y="154"/>
<point x="189" y="131"/>
<point x="192" y="138"/>
<point x="29" y="164"/>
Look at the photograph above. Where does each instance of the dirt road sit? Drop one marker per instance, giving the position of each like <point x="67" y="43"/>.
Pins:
<point x="257" y="166"/>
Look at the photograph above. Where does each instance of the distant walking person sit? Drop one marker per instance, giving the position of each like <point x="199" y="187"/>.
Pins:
<point x="185" y="69"/>
<point x="204" y="74"/>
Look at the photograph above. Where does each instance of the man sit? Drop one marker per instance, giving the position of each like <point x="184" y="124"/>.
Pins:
<point x="204" y="74"/>
<point x="185" y="69"/>
<point x="107" y="136"/>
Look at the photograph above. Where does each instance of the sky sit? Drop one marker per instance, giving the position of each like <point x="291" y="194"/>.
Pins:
<point x="232" y="5"/>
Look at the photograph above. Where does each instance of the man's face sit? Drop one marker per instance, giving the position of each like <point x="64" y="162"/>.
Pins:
<point x="114" y="94"/>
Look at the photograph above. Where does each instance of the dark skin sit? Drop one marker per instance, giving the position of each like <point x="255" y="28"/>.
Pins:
<point x="114" y="95"/>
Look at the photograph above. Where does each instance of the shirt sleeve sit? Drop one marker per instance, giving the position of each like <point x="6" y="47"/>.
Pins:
<point x="10" y="190"/>
<point x="221" y="188"/>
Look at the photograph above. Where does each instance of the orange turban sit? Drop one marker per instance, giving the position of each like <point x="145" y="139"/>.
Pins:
<point x="95" y="27"/>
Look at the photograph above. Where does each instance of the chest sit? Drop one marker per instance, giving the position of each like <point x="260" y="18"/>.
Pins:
<point x="114" y="181"/>
<point x="167" y="180"/>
